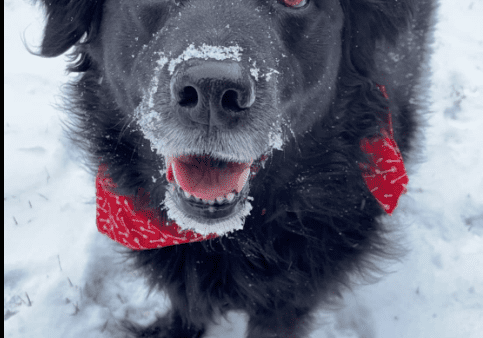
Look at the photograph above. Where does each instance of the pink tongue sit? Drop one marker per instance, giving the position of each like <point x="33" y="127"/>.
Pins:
<point x="196" y="176"/>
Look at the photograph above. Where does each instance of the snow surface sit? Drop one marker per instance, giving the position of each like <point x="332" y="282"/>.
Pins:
<point x="61" y="276"/>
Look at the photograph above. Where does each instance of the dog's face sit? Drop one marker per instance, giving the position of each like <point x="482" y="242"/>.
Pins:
<point x="215" y="86"/>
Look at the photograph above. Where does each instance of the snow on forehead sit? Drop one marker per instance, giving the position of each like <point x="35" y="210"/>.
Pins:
<point x="206" y="52"/>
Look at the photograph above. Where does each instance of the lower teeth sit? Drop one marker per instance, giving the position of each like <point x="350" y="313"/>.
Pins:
<point x="219" y="200"/>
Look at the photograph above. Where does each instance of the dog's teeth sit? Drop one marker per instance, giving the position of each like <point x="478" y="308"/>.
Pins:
<point x="211" y="202"/>
<point x="197" y="199"/>
<point x="186" y="194"/>
<point x="211" y="209"/>
<point x="220" y="199"/>
<point x="230" y="197"/>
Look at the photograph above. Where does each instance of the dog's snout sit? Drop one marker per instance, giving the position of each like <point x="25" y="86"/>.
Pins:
<point x="213" y="93"/>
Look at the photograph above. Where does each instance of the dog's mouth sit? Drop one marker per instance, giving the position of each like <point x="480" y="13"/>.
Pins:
<point x="208" y="189"/>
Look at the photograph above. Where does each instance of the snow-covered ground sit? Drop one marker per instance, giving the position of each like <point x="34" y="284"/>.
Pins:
<point x="61" y="279"/>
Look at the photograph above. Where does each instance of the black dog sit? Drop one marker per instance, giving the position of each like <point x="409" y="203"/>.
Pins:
<point x="246" y="119"/>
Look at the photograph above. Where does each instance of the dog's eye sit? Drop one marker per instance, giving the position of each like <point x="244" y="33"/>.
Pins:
<point x="294" y="3"/>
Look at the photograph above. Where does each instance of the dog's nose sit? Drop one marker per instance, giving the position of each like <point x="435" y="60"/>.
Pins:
<point x="212" y="93"/>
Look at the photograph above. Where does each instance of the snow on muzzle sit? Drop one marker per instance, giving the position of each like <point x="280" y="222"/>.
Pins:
<point x="207" y="179"/>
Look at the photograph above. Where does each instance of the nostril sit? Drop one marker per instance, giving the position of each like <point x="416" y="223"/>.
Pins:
<point x="188" y="97"/>
<point x="229" y="101"/>
<point x="213" y="93"/>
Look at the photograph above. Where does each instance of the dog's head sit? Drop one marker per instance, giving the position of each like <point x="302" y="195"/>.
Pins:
<point x="188" y="98"/>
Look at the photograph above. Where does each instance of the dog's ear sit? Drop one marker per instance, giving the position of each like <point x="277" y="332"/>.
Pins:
<point x="367" y="21"/>
<point x="67" y="22"/>
<point x="380" y="19"/>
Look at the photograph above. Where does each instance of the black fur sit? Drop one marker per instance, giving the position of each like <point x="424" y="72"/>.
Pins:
<point x="313" y="222"/>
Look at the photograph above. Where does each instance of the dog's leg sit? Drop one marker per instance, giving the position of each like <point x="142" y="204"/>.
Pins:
<point x="283" y="323"/>
<point x="169" y="326"/>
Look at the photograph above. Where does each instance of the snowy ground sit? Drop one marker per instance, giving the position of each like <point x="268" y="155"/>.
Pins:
<point x="61" y="279"/>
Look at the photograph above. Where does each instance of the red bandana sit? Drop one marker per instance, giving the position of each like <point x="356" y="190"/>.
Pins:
<point x="135" y="229"/>
<point x="387" y="180"/>
<point x="141" y="230"/>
